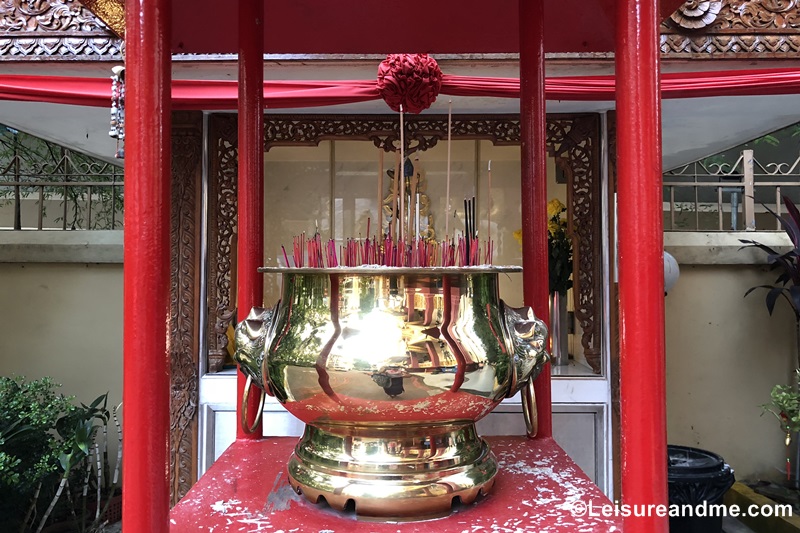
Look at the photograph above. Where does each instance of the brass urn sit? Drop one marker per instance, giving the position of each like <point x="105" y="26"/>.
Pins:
<point x="390" y="368"/>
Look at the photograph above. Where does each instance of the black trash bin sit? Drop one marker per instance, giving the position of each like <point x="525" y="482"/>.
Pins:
<point x="697" y="478"/>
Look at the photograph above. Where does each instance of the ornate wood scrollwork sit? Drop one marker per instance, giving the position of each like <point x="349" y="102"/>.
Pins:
<point x="422" y="133"/>
<point x="696" y="14"/>
<point x="575" y="142"/>
<point x="223" y="136"/>
<point x="573" y="138"/>
<point x="738" y="29"/>
<point x="187" y="142"/>
<point x="54" y="29"/>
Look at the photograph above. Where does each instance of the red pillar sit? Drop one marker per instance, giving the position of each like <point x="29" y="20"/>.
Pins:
<point x="250" y="290"/>
<point x="146" y="378"/>
<point x="533" y="137"/>
<point x="641" y="272"/>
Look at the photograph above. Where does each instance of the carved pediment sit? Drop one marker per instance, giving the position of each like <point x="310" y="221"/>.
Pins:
<point x="733" y="29"/>
<point x="54" y="29"/>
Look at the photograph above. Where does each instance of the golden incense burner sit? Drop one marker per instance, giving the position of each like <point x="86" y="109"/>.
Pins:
<point x="390" y="368"/>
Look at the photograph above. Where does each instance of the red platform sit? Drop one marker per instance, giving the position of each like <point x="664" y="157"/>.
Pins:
<point x="247" y="490"/>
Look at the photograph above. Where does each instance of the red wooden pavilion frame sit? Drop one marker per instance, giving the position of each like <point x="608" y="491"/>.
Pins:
<point x="154" y="30"/>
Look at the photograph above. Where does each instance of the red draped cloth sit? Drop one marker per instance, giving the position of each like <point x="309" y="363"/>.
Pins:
<point x="222" y="95"/>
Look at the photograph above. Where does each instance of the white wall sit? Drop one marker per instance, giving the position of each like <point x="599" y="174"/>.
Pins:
<point x="64" y="321"/>
<point x="724" y="354"/>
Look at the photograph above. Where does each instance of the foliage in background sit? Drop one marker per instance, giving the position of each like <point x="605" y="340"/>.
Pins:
<point x="53" y="457"/>
<point x="784" y="398"/>
<point x="785" y="405"/>
<point x="787" y="264"/>
<point x="779" y="146"/>
<point x="29" y="159"/>
<point x="559" y="246"/>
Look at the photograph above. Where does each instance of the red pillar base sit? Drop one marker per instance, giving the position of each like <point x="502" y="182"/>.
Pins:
<point x="247" y="489"/>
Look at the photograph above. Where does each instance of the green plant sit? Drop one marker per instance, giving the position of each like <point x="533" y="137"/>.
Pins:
<point x="787" y="284"/>
<point x="559" y="247"/>
<point x="785" y="405"/>
<point x="53" y="457"/>
<point x="785" y="402"/>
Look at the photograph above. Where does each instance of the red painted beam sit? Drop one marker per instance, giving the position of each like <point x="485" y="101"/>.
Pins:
<point x="250" y="290"/>
<point x="641" y="271"/>
<point x="533" y="155"/>
<point x="359" y="27"/>
<point x="146" y="372"/>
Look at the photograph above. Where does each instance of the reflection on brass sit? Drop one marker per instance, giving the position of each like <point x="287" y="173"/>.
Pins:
<point x="393" y="472"/>
<point x="250" y="429"/>
<point x="529" y="410"/>
<point x="390" y="368"/>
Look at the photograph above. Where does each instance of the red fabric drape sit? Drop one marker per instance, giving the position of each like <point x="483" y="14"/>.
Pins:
<point x="222" y="95"/>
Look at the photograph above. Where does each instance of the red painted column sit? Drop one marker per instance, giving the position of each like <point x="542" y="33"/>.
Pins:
<point x="250" y="290"/>
<point x="533" y="137"/>
<point x="146" y="372"/>
<point x="641" y="271"/>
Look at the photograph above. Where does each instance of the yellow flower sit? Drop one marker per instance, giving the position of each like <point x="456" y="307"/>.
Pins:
<point x="553" y="228"/>
<point x="555" y="208"/>
<point x="518" y="236"/>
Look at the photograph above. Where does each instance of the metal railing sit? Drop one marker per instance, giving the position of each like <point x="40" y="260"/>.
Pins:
<point x="77" y="202"/>
<point x="47" y="186"/>
<point x="705" y="196"/>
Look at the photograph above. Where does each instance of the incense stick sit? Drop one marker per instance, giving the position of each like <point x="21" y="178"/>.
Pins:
<point x="379" y="209"/>
<point x="413" y="207"/>
<point x="489" y="206"/>
<point x="418" y="253"/>
<point x="447" y="191"/>
<point x="402" y="177"/>
<point x="395" y="182"/>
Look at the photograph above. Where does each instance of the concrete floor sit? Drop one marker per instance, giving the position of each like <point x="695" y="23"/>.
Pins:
<point x="731" y="525"/>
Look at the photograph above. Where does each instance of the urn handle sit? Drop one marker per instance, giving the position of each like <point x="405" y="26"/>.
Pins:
<point x="250" y="338"/>
<point x="528" y="336"/>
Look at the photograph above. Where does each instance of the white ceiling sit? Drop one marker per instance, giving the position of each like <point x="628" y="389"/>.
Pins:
<point x="692" y="128"/>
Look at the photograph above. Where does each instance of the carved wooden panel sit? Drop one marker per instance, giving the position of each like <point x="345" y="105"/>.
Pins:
<point x="223" y="137"/>
<point x="187" y="142"/>
<point x="54" y="29"/>
<point x="733" y="29"/>
<point x="613" y="319"/>
<point x="572" y="138"/>
<point x="422" y="132"/>
<point x="576" y="141"/>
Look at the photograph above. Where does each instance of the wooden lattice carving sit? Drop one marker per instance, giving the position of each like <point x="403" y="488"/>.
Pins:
<point x="187" y="142"/>
<point x="575" y="138"/>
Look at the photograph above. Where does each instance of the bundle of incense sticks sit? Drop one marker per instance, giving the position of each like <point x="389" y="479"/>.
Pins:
<point x="419" y="253"/>
<point x="470" y="230"/>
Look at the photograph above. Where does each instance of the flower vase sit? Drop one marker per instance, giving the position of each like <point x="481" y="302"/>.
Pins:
<point x="559" y="332"/>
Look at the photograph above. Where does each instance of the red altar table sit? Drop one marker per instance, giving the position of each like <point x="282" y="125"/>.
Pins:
<point x="538" y="489"/>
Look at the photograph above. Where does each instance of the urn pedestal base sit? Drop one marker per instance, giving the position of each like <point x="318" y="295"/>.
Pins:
<point x="393" y="472"/>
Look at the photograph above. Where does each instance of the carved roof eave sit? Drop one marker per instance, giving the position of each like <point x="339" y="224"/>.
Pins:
<point x="69" y="30"/>
<point x="733" y="29"/>
<point x="56" y="30"/>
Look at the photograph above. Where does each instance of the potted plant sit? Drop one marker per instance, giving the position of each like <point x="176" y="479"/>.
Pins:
<point x="54" y="464"/>
<point x="785" y="401"/>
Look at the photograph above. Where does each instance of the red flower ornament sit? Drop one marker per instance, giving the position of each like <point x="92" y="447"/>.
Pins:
<point x="413" y="80"/>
